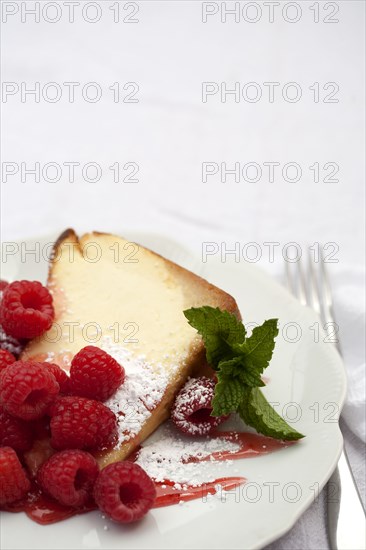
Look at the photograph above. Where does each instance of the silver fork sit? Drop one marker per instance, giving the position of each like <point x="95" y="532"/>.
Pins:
<point x="346" y="516"/>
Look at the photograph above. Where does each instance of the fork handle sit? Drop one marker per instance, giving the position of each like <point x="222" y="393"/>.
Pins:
<point x="346" y="515"/>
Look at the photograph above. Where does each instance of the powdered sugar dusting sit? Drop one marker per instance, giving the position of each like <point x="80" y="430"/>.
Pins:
<point x="167" y="454"/>
<point x="10" y="344"/>
<point x="142" y="390"/>
<point x="170" y="456"/>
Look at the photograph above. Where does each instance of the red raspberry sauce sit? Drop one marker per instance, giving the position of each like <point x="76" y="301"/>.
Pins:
<point x="44" y="510"/>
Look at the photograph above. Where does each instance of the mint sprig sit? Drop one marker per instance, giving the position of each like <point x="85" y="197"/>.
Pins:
<point x="239" y="363"/>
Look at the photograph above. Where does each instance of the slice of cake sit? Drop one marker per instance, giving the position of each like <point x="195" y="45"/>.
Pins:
<point x="129" y="301"/>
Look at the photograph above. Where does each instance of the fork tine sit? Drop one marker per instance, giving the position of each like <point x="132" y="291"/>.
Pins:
<point x="301" y="284"/>
<point x="331" y="326"/>
<point x="296" y="281"/>
<point x="290" y="278"/>
<point x="314" y="286"/>
<point x="327" y="293"/>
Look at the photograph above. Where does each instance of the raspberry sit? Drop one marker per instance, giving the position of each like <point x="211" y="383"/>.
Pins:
<point x="80" y="423"/>
<point x="27" y="389"/>
<point x="14" y="483"/>
<point x="14" y="432"/>
<point x="6" y="359"/>
<point x="11" y="344"/>
<point x="95" y="374"/>
<point x="3" y="285"/>
<point x="69" y="477"/>
<point x="191" y="412"/>
<point x="26" y="309"/>
<point x="124" y="491"/>
<point x="60" y="375"/>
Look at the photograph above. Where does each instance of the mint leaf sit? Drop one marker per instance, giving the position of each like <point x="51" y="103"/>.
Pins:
<point x="251" y="375"/>
<point x="258" y="413"/>
<point x="231" y="367"/>
<point x="260" y="345"/>
<point x="229" y="393"/>
<point x="241" y="368"/>
<point x="219" y="330"/>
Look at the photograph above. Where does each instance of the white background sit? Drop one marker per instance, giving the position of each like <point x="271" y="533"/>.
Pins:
<point x="170" y="132"/>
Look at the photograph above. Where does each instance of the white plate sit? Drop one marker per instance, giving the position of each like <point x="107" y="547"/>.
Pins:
<point x="307" y="380"/>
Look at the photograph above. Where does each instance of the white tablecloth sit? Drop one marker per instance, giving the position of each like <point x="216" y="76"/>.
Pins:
<point x="171" y="131"/>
